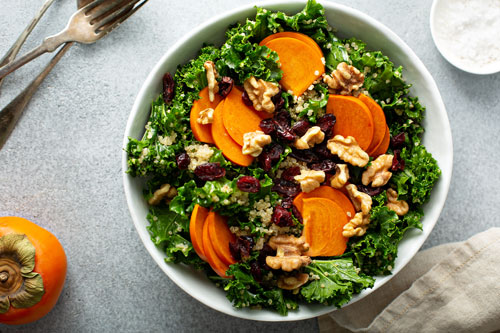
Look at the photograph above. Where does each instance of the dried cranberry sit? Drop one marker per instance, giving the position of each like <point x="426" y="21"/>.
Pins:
<point x="371" y="191"/>
<point x="270" y="155"/>
<point x="286" y="188"/>
<point x="398" y="164"/>
<point x="209" y="171"/>
<point x="305" y="155"/>
<point x="287" y="202"/>
<point x="275" y="152"/>
<point x="278" y="101"/>
<point x="297" y="214"/>
<point x="282" y="217"/>
<point x="325" y="165"/>
<point x="267" y="126"/>
<point x="290" y="173"/>
<point x="300" y="128"/>
<point x="256" y="271"/>
<point x="285" y="133"/>
<point x="282" y="124"/>
<point x="282" y="118"/>
<point x="398" y="141"/>
<point x="183" y="161"/>
<point x="265" y="161"/>
<point x="264" y="253"/>
<point x="168" y="88"/>
<point x="322" y="151"/>
<point x="248" y="184"/>
<point x="246" y="100"/>
<point x="326" y="124"/>
<point x="241" y="247"/>
<point x="225" y="86"/>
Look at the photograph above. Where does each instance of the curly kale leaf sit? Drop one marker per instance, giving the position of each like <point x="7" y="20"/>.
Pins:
<point x="222" y="195"/>
<point x="376" y="251"/>
<point x="167" y="128"/>
<point x="242" y="57"/>
<point x="337" y="280"/>
<point x="170" y="232"/>
<point x="243" y="291"/>
<point x="385" y="83"/>
<point x="421" y="172"/>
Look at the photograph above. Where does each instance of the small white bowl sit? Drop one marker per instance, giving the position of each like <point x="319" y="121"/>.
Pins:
<point x="438" y="11"/>
<point x="349" y="22"/>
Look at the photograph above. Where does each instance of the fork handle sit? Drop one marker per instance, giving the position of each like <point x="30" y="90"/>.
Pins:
<point x="11" y="113"/>
<point x="49" y="45"/>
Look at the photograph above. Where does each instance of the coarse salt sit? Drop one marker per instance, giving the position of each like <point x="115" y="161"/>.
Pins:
<point x="468" y="32"/>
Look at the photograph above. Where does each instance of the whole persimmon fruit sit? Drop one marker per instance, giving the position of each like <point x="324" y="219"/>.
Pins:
<point x="32" y="271"/>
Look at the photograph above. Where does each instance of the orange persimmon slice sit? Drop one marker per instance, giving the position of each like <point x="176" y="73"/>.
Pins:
<point x="379" y="122"/>
<point x="213" y="259"/>
<point x="196" y="224"/>
<point x="297" y="35"/>
<point x="239" y="118"/>
<point x="326" y="192"/>
<point x="201" y="132"/>
<point x="324" y="221"/>
<point x="383" y="146"/>
<point x="300" y="63"/>
<point x="353" y="119"/>
<point x="230" y="148"/>
<point x="220" y="237"/>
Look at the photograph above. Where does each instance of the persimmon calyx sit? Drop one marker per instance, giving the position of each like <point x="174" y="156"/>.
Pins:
<point x="20" y="287"/>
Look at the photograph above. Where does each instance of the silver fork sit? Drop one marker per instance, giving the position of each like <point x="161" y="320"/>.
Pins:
<point x="87" y="26"/>
<point x="11" y="113"/>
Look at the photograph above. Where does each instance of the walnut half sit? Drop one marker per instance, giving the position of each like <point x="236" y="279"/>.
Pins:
<point x="313" y="136"/>
<point x="341" y="176"/>
<point x="289" y="251"/>
<point x="260" y="93"/>
<point x="345" y="80"/>
<point x="206" y="116"/>
<point x="213" y="85"/>
<point x="348" y="150"/>
<point x="361" y="201"/>
<point x="356" y="226"/>
<point x="165" y="191"/>
<point x="378" y="172"/>
<point x="253" y="143"/>
<point x="399" y="206"/>
<point x="310" y="179"/>
<point x="292" y="282"/>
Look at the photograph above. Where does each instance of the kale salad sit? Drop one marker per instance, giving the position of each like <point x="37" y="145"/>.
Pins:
<point x="286" y="163"/>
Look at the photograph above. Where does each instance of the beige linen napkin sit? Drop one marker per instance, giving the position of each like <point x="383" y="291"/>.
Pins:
<point x="449" y="288"/>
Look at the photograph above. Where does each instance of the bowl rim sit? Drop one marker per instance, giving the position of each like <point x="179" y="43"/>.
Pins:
<point x="421" y="237"/>
<point x="439" y="46"/>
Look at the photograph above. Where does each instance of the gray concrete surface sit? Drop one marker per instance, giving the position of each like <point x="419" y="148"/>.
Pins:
<point x="61" y="167"/>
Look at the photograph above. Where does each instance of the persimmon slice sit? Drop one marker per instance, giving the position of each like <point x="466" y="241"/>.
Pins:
<point x="201" y="132"/>
<point x="300" y="63"/>
<point x="239" y="118"/>
<point x="196" y="223"/>
<point x="213" y="259"/>
<point x="379" y="122"/>
<point x="230" y="148"/>
<point x="353" y="119"/>
<point x="297" y="35"/>
<point x="383" y="146"/>
<point x="324" y="221"/>
<point x="326" y="192"/>
<point x="221" y="236"/>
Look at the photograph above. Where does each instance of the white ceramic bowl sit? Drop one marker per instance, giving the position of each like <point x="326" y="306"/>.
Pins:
<point x="349" y="22"/>
<point x="440" y="13"/>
